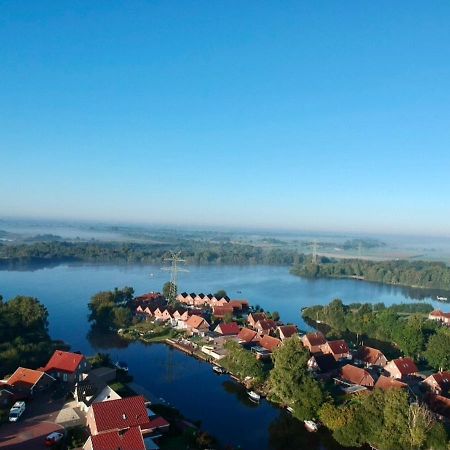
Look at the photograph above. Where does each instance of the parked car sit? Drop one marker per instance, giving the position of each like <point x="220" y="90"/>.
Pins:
<point x="16" y="411"/>
<point x="53" y="438"/>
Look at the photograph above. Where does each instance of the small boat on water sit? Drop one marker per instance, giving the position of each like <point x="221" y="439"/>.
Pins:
<point x="254" y="396"/>
<point x="290" y="409"/>
<point x="218" y="369"/>
<point x="442" y="299"/>
<point x="311" y="426"/>
<point x="121" y="365"/>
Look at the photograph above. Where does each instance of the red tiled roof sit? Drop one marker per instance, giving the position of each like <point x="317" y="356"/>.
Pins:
<point x="156" y="423"/>
<point x="270" y="343"/>
<point x="257" y="316"/>
<point x="266" y="324"/>
<point x="389" y="383"/>
<point x="228" y="328"/>
<point x="369" y="355"/>
<point x="288" y="330"/>
<point x="119" y="414"/>
<point x="315" y="339"/>
<point x="357" y="375"/>
<point x="64" y="361"/>
<point x="338" y="347"/>
<point x="222" y="310"/>
<point x="247" y="335"/>
<point x="436" y="313"/>
<point x="23" y="377"/>
<point x="130" y="439"/>
<point x="442" y="379"/>
<point x="406" y="366"/>
<point x="195" y="321"/>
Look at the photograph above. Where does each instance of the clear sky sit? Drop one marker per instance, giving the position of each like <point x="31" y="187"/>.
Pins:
<point x="311" y="115"/>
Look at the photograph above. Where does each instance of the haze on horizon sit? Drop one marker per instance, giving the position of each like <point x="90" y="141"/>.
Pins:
<point x="298" y="116"/>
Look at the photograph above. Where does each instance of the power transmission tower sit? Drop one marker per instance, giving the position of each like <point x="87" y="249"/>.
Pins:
<point x="174" y="269"/>
<point x="314" y="251"/>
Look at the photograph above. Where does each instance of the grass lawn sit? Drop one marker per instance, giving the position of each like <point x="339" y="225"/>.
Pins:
<point x="122" y="389"/>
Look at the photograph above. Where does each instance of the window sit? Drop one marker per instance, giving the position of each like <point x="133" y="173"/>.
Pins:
<point x="65" y="376"/>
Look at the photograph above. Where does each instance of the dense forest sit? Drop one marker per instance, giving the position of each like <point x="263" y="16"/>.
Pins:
<point x="24" y="338"/>
<point x="420" y="274"/>
<point x="195" y="252"/>
<point x="405" y="326"/>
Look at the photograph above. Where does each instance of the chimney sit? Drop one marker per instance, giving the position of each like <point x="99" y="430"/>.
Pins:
<point x="124" y="416"/>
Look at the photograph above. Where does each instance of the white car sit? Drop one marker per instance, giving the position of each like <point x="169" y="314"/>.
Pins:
<point x="16" y="411"/>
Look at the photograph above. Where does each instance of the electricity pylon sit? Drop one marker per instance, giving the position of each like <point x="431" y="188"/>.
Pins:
<point x="174" y="269"/>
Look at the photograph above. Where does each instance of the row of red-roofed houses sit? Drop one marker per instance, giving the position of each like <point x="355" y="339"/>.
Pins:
<point x="440" y="316"/>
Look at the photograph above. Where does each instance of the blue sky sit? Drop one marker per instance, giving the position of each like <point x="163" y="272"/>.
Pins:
<point x="298" y="115"/>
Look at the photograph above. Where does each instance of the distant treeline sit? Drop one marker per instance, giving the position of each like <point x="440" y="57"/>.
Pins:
<point x="194" y="252"/>
<point x="421" y="274"/>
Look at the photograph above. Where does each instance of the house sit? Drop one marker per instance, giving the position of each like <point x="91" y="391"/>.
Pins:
<point x="314" y="341"/>
<point x="7" y="395"/>
<point x="269" y="343"/>
<point x="121" y="414"/>
<point x="150" y="311"/>
<point x="440" y="316"/>
<point x="401" y="368"/>
<point x="265" y="326"/>
<point x="255" y="317"/>
<point x="440" y="405"/>
<point x="227" y="329"/>
<point x="439" y="383"/>
<point x="93" y="389"/>
<point x="239" y="305"/>
<point x="197" y="325"/>
<point x="370" y="357"/>
<point x="150" y="297"/>
<point x="221" y="311"/>
<point x="127" y="439"/>
<point x="248" y="336"/>
<point x="339" y="349"/>
<point x="386" y="383"/>
<point x="287" y="331"/>
<point x="29" y="381"/>
<point x="320" y="362"/>
<point x="67" y="366"/>
<point x="356" y="375"/>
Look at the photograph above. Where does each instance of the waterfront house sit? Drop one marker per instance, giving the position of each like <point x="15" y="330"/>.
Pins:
<point x="227" y="329"/>
<point x="28" y="381"/>
<point x="265" y="326"/>
<point x="370" y="357"/>
<point x="197" y="325"/>
<point x="255" y="317"/>
<point x="323" y="363"/>
<point x="248" y="336"/>
<point x="386" y="383"/>
<point x="239" y="305"/>
<point x="181" y="314"/>
<point x="339" y="349"/>
<point x="314" y="341"/>
<point x="439" y="383"/>
<point x="67" y="366"/>
<point x="401" y="368"/>
<point x="440" y="316"/>
<point x="220" y="312"/>
<point x="150" y="311"/>
<point x="150" y="297"/>
<point x="356" y="375"/>
<point x="126" y="439"/>
<point x="287" y="331"/>
<point x="92" y="389"/>
<point x="269" y="343"/>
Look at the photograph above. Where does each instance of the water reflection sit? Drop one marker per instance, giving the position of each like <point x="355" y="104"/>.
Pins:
<point x="236" y="389"/>
<point x="100" y="339"/>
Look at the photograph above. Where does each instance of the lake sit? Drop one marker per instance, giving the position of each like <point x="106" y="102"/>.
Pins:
<point x="186" y="383"/>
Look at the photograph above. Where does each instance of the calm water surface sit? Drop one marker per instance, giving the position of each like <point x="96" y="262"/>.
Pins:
<point x="190" y="385"/>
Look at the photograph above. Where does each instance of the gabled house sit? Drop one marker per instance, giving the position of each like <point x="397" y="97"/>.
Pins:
<point x="126" y="439"/>
<point x="93" y="389"/>
<point x="239" y="305"/>
<point x="29" y="381"/>
<point x="339" y="349"/>
<point x="227" y="329"/>
<point x="181" y="314"/>
<point x="197" y="325"/>
<point x="314" y="341"/>
<point x="401" y="368"/>
<point x="287" y="331"/>
<point x="370" y="357"/>
<point x="356" y="375"/>
<point x="248" y="336"/>
<point x="255" y="317"/>
<point x="322" y="363"/>
<point x="67" y="366"/>
<point x="221" y="311"/>
<point x="386" y="383"/>
<point x="265" y="326"/>
<point x="269" y="343"/>
<point x="150" y="311"/>
<point x="440" y="316"/>
<point x="439" y="383"/>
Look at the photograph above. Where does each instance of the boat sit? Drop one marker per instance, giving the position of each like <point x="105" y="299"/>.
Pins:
<point x="218" y="369"/>
<point x="442" y="299"/>
<point x="290" y="409"/>
<point x="254" y="396"/>
<point x="121" y="365"/>
<point x="311" y="426"/>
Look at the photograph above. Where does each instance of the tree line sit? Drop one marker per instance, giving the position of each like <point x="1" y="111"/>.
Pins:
<point x="420" y="274"/>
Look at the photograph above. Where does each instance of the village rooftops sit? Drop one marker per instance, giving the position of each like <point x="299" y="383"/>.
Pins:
<point x="64" y="362"/>
<point x="287" y="331"/>
<point x="439" y="381"/>
<point x="356" y="375"/>
<point x="314" y="339"/>
<point x="338" y="347"/>
<point x="227" y="329"/>
<point x="371" y="356"/>
<point x="405" y="366"/>
<point x="324" y="362"/>
<point x="119" y="414"/>
<point x="247" y="335"/>
<point x="266" y="324"/>
<point x="220" y="311"/>
<point x="24" y="378"/>
<point x="389" y="383"/>
<point x="128" y="439"/>
<point x="195" y="321"/>
<point x="269" y="343"/>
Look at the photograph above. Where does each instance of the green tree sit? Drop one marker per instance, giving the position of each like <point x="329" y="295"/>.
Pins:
<point x="220" y="293"/>
<point x="169" y="291"/>
<point x="275" y="316"/>
<point x="243" y="363"/>
<point x="228" y="317"/>
<point x="438" y="350"/>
